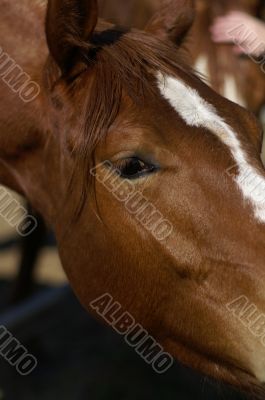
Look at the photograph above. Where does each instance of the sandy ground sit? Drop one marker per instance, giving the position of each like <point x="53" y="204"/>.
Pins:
<point x="48" y="269"/>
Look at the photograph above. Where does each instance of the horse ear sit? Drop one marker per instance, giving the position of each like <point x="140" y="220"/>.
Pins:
<point x="69" y="24"/>
<point x="173" y="20"/>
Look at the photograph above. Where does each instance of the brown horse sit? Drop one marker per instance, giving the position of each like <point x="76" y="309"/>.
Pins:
<point x="235" y="77"/>
<point x="238" y="78"/>
<point x="122" y="102"/>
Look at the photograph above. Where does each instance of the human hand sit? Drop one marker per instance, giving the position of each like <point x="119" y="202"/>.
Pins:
<point x="245" y="31"/>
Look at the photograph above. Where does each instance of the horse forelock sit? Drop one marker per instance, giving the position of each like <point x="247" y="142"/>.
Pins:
<point x="121" y="64"/>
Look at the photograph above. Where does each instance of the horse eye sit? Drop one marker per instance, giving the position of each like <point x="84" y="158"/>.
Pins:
<point x="132" y="168"/>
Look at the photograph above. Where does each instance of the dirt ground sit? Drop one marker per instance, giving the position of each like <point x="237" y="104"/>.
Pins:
<point x="48" y="270"/>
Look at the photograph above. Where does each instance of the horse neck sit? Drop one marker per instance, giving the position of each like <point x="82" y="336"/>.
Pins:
<point x="22" y="29"/>
<point x="23" y="126"/>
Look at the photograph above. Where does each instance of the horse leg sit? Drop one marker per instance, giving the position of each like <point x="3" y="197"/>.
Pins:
<point x="30" y="247"/>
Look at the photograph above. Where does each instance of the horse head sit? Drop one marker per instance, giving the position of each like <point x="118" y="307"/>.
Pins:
<point x="154" y="186"/>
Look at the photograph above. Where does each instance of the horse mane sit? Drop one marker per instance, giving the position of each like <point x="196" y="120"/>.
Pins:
<point x="124" y="63"/>
<point x="118" y="63"/>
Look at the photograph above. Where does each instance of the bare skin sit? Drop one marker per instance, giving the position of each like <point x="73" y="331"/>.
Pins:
<point x="251" y="40"/>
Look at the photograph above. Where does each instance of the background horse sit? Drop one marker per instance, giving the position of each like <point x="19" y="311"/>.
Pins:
<point x="235" y="77"/>
<point x="126" y="97"/>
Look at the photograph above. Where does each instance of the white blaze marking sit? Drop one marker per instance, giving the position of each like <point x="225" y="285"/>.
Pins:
<point x="197" y="112"/>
